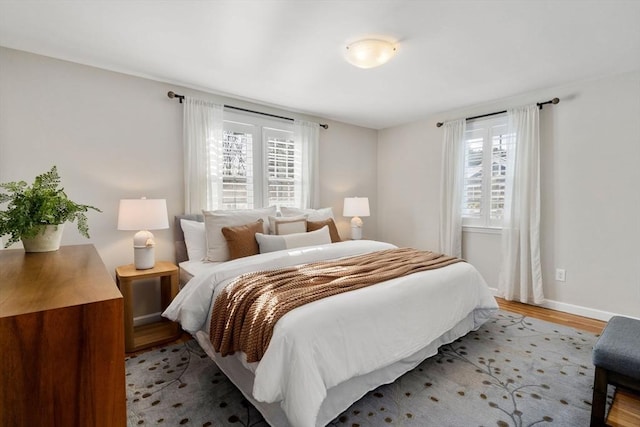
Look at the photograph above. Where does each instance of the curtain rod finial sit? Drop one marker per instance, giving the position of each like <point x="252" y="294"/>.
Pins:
<point x="555" y="100"/>
<point x="171" y="94"/>
<point x="439" y="124"/>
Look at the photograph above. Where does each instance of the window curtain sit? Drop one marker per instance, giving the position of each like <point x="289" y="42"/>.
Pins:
<point x="202" y="139"/>
<point x="520" y="274"/>
<point x="306" y="136"/>
<point x="451" y="188"/>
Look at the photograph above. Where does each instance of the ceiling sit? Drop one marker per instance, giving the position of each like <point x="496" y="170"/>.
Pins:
<point x="289" y="53"/>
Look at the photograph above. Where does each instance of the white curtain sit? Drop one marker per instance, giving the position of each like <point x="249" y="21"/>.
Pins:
<point x="451" y="188"/>
<point x="520" y="274"/>
<point x="306" y="136"/>
<point x="202" y="141"/>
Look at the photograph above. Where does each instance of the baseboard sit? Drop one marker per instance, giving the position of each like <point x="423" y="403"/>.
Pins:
<point x="573" y="309"/>
<point x="147" y="318"/>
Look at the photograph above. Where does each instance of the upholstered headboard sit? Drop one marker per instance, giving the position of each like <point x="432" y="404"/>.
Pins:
<point x="178" y="235"/>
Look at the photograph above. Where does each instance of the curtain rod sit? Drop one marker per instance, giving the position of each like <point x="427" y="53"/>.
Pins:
<point x="540" y="104"/>
<point x="171" y="94"/>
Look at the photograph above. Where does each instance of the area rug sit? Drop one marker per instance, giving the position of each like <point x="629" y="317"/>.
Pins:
<point x="514" y="371"/>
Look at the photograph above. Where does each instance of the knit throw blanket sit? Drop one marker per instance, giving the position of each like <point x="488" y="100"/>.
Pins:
<point x="246" y="311"/>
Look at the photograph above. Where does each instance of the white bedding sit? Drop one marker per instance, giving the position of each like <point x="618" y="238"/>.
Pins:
<point x="325" y="343"/>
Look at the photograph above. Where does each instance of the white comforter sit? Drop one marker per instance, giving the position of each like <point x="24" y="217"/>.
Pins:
<point x="324" y="343"/>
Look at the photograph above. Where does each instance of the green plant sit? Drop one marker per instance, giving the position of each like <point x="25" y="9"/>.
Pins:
<point x="29" y="208"/>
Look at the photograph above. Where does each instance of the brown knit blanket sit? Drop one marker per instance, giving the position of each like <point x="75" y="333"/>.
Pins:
<point x="246" y="311"/>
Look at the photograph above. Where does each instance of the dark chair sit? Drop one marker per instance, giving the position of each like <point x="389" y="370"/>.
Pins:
<point x="616" y="357"/>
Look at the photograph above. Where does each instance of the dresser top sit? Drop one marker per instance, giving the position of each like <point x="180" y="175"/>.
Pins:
<point x="72" y="275"/>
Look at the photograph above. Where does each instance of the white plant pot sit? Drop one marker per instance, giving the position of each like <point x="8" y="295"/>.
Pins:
<point x="45" y="241"/>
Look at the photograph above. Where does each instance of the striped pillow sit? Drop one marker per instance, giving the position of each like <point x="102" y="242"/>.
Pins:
<point x="287" y="224"/>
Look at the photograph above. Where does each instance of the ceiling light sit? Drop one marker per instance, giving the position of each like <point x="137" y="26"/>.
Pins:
<point x="369" y="53"/>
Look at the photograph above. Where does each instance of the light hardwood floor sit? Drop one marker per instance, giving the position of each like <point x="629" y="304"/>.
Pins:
<point x="626" y="407"/>
<point x="625" y="411"/>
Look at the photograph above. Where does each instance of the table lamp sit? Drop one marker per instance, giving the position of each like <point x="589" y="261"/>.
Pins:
<point x="356" y="207"/>
<point x="144" y="215"/>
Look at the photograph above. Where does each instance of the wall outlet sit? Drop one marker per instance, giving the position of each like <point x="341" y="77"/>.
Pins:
<point x="561" y="274"/>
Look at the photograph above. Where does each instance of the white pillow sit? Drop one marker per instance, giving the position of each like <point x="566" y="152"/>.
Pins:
<point x="194" y="239"/>
<point x="287" y="224"/>
<point x="312" y="214"/>
<point x="269" y="243"/>
<point x="214" y="221"/>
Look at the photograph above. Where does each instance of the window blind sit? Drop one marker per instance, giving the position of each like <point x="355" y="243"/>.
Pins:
<point x="487" y="145"/>
<point x="237" y="172"/>
<point x="283" y="171"/>
<point x="262" y="164"/>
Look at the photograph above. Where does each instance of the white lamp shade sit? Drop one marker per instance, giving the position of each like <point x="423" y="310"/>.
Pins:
<point x="369" y="53"/>
<point x="143" y="214"/>
<point x="356" y="206"/>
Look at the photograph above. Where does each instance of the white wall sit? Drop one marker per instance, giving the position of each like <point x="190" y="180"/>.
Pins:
<point x="590" y="164"/>
<point x="348" y="169"/>
<point x="115" y="136"/>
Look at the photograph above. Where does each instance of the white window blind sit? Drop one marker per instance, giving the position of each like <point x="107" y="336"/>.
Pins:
<point x="486" y="146"/>
<point x="262" y="164"/>
<point x="237" y="171"/>
<point x="283" y="157"/>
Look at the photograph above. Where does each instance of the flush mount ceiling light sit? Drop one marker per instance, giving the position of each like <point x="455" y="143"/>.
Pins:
<point x="369" y="53"/>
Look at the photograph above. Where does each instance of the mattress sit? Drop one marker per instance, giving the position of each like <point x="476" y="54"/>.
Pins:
<point x="189" y="269"/>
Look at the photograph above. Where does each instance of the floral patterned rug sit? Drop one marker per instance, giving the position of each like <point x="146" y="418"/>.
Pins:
<point x="514" y="371"/>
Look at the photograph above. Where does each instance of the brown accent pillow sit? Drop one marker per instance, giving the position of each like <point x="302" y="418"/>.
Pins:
<point x="241" y="239"/>
<point x="333" y="230"/>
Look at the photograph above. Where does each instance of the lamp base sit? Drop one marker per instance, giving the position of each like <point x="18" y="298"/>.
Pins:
<point x="144" y="256"/>
<point x="356" y="228"/>
<point x="356" y="233"/>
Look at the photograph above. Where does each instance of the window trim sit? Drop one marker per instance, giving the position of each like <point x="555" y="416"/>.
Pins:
<point x="481" y="230"/>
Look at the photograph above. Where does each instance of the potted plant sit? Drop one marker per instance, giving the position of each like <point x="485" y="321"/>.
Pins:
<point x="37" y="213"/>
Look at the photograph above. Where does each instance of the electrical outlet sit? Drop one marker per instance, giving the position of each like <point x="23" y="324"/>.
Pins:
<point x="561" y="274"/>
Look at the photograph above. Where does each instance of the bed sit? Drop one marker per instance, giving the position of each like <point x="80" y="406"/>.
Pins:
<point x="327" y="354"/>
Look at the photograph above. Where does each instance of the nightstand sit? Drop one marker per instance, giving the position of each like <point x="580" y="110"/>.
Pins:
<point x="160" y="332"/>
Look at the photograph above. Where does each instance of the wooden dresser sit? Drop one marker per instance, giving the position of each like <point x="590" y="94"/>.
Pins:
<point x="61" y="340"/>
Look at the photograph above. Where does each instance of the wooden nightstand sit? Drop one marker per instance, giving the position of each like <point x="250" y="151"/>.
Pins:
<point x="144" y="336"/>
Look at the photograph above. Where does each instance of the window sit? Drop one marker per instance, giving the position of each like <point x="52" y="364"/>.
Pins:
<point x="283" y="168"/>
<point x="485" y="160"/>
<point x="237" y="166"/>
<point x="261" y="164"/>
